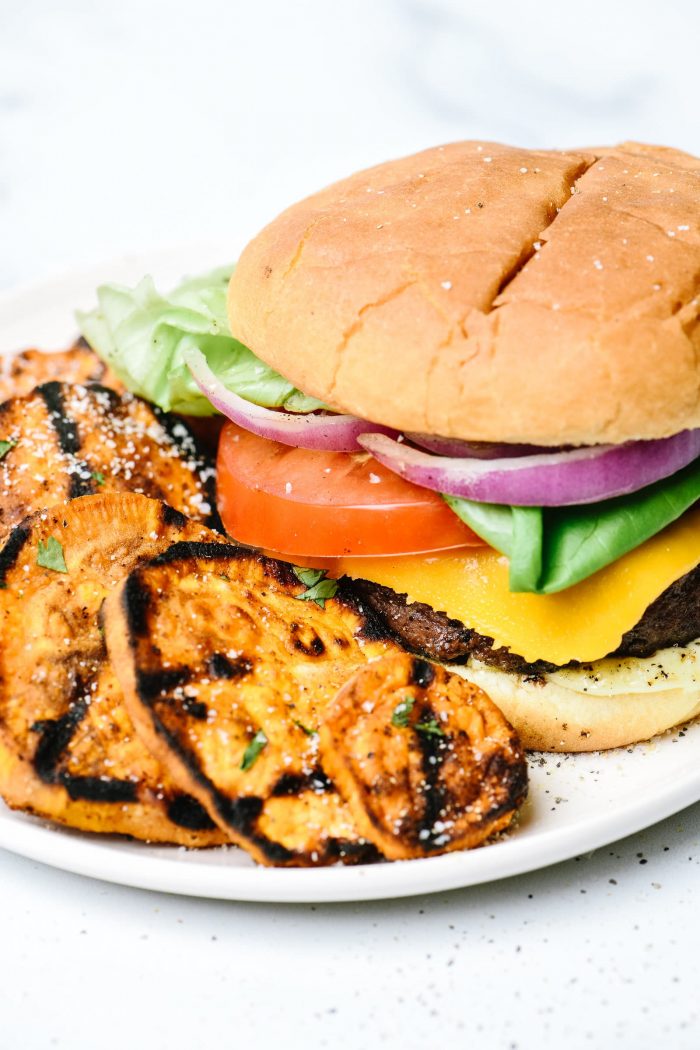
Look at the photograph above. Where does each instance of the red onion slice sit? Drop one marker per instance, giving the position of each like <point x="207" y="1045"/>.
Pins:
<point x="443" y="446"/>
<point x="583" y="475"/>
<point x="333" y="433"/>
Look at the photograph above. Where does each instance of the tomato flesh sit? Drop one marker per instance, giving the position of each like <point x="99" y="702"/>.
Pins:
<point x="306" y="503"/>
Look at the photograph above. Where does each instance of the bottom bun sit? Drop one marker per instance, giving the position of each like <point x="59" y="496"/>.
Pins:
<point x="551" y="716"/>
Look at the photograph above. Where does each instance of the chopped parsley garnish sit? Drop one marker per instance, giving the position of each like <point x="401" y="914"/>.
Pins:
<point x="304" y="729"/>
<point x="318" y="588"/>
<point x="99" y="477"/>
<point x="252" y="752"/>
<point x="430" y="728"/>
<point x="402" y="712"/>
<point x="401" y="716"/>
<point x="5" y="447"/>
<point x="50" y="555"/>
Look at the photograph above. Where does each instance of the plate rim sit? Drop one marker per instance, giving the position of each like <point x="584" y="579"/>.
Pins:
<point x="139" y="868"/>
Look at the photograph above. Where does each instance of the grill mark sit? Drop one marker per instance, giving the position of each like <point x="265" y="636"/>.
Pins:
<point x="422" y="674"/>
<point x="221" y="666"/>
<point x="14" y="546"/>
<point x="99" y="789"/>
<point x="241" y="814"/>
<point x="195" y="708"/>
<point x="360" y="852"/>
<point x="433" y="754"/>
<point x="153" y="684"/>
<point x="56" y="735"/>
<point x="136" y="600"/>
<point x="512" y="777"/>
<point x="188" y="443"/>
<point x="68" y="438"/>
<point x="171" y="517"/>
<point x="184" y="549"/>
<point x="296" y="783"/>
<point x="187" y="812"/>
<point x="315" y="646"/>
<point x="529" y="251"/>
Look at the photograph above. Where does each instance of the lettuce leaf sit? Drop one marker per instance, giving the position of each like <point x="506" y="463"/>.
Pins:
<point x="143" y="337"/>
<point x="553" y="548"/>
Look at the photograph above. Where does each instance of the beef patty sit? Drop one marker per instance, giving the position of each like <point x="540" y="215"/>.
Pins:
<point x="673" y="619"/>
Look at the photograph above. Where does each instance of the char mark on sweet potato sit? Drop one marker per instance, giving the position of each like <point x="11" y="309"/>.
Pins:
<point x="264" y="731"/>
<point x="427" y="762"/>
<point x="241" y="734"/>
<point x="68" y="750"/>
<point x="72" y="440"/>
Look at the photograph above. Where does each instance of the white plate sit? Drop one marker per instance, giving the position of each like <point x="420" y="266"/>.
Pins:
<point x="577" y="802"/>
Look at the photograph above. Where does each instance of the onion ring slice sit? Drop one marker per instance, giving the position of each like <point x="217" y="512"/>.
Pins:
<point x="333" y="433"/>
<point x="558" y="479"/>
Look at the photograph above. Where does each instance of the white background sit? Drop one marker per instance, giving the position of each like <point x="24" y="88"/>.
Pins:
<point x="127" y="125"/>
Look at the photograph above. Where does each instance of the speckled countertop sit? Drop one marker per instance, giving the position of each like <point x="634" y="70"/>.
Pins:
<point x="125" y="126"/>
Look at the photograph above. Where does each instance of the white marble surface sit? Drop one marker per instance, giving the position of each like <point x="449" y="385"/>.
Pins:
<point x="133" y="124"/>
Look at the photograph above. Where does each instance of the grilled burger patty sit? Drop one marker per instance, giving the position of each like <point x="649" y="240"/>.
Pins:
<point x="672" y="619"/>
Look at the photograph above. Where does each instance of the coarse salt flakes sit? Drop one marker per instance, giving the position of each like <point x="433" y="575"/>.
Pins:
<point x="288" y="487"/>
<point x="598" y="264"/>
<point x="374" y="479"/>
<point x="523" y="171"/>
<point x="446" y="285"/>
<point x="650" y="258"/>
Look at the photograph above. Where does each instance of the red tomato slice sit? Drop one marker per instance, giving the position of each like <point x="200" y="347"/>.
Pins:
<point x="302" y="502"/>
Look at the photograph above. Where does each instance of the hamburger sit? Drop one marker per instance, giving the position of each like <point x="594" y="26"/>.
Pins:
<point x="469" y="379"/>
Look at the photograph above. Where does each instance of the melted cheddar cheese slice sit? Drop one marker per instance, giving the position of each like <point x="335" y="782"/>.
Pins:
<point x="585" y="622"/>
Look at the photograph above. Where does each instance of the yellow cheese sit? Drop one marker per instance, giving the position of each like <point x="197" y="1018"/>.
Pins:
<point x="585" y="622"/>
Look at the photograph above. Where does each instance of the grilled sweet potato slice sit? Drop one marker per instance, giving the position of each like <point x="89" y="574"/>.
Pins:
<point x="226" y="673"/>
<point x="425" y="760"/>
<point x="72" y="440"/>
<point x="68" y="750"/>
<point x="22" y="372"/>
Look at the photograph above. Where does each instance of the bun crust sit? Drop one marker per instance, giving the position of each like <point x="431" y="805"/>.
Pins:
<point x="490" y="293"/>
<point x="549" y="717"/>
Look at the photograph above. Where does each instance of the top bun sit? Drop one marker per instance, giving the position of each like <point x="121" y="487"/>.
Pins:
<point x="489" y="293"/>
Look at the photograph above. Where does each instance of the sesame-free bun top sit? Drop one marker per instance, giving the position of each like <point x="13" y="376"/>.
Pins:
<point x="490" y="293"/>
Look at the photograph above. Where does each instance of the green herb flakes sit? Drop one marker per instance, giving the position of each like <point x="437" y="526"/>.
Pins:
<point x="318" y="588"/>
<point x="252" y="752"/>
<point x="304" y="729"/>
<point x="98" y="476"/>
<point x="5" y="447"/>
<point x="430" y="728"/>
<point x="50" y="555"/>
<point x="402" y="712"/>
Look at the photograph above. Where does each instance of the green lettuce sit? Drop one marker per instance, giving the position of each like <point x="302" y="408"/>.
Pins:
<point x="552" y="548"/>
<point x="144" y="336"/>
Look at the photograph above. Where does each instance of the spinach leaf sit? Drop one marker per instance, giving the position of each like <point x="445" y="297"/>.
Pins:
<point x="554" y="548"/>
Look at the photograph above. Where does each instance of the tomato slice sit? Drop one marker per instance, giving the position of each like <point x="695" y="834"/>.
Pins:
<point x="302" y="502"/>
